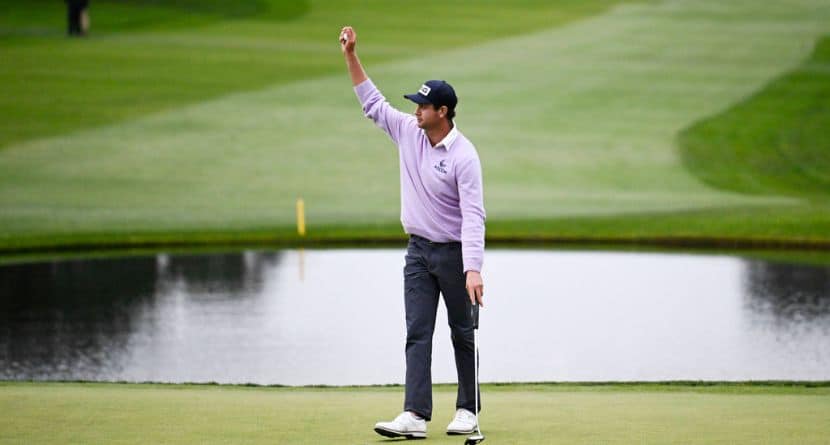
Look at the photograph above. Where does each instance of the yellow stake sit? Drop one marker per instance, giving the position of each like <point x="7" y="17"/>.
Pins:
<point x="300" y="217"/>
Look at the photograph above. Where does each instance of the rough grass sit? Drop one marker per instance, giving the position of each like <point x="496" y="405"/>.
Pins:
<point x="775" y="142"/>
<point x="60" y="413"/>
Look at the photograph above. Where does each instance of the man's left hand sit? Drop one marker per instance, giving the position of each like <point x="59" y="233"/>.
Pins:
<point x="475" y="287"/>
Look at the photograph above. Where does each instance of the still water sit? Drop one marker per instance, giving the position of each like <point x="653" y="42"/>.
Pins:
<point x="336" y="317"/>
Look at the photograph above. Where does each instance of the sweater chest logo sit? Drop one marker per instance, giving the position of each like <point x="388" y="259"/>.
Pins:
<point x="441" y="166"/>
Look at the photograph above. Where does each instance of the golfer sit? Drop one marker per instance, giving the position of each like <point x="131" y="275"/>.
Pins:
<point x="442" y="210"/>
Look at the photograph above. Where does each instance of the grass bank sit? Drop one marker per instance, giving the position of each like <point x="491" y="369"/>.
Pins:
<point x="776" y="413"/>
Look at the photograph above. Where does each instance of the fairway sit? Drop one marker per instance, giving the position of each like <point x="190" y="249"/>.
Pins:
<point x="576" y="124"/>
<point x="59" y="413"/>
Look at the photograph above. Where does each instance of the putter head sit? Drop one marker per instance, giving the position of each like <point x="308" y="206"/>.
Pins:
<point x="474" y="439"/>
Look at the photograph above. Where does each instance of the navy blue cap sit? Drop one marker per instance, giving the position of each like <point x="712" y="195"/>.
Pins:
<point x="436" y="92"/>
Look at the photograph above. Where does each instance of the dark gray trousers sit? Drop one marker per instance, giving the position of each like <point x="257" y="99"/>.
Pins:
<point x="433" y="268"/>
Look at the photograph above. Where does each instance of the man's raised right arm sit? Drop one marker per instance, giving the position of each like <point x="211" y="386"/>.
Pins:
<point x="375" y="106"/>
<point x="348" y="41"/>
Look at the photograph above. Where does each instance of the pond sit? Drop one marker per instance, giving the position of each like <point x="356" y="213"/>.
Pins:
<point x="335" y="316"/>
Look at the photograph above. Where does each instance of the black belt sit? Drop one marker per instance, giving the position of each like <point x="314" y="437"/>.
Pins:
<point x="421" y="238"/>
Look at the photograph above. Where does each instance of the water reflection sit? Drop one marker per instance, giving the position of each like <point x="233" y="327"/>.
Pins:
<point x="788" y="293"/>
<point x="788" y="317"/>
<point x="335" y="317"/>
<point x="241" y="274"/>
<point x="68" y="320"/>
<point x="79" y="319"/>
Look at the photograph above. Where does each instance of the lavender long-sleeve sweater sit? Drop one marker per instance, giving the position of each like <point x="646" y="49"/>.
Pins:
<point x="441" y="191"/>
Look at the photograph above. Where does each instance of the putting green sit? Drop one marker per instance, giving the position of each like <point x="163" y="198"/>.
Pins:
<point x="574" y="121"/>
<point x="55" y="413"/>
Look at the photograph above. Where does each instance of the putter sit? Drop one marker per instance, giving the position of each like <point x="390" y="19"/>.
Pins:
<point x="477" y="437"/>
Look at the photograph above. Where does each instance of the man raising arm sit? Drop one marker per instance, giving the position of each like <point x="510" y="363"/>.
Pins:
<point x="442" y="210"/>
<point x="348" y="41"/>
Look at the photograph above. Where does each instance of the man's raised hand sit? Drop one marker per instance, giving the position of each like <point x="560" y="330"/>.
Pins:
<point x="348" y="39"/>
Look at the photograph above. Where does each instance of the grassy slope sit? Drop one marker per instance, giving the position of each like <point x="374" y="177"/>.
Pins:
<point x="777" y="141"/>
<point x="576" y="126"/>
<point x="522" y="414"/>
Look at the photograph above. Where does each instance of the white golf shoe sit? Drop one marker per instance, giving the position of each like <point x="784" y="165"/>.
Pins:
<point x="463" y="423"/>
<point x="405" y="425"/>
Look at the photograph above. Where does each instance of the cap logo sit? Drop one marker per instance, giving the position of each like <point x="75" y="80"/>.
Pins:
<point x="425" y="90"/>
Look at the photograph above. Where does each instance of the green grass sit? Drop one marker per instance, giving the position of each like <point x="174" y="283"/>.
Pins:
<point x="206" y="132"/>
<point x="61" y="413"/>
<point x="804" y="226"/>
<point x="145" y="56"/>
<point x="775" y="142"/>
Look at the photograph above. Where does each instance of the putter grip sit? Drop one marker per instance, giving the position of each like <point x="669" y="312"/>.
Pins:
<point x="474" y="314"/>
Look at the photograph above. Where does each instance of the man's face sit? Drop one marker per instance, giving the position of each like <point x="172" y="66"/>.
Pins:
<point x="428" y="116"/>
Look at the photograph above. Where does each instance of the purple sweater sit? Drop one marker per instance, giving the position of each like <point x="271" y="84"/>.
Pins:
<point x="441" y="192"/>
